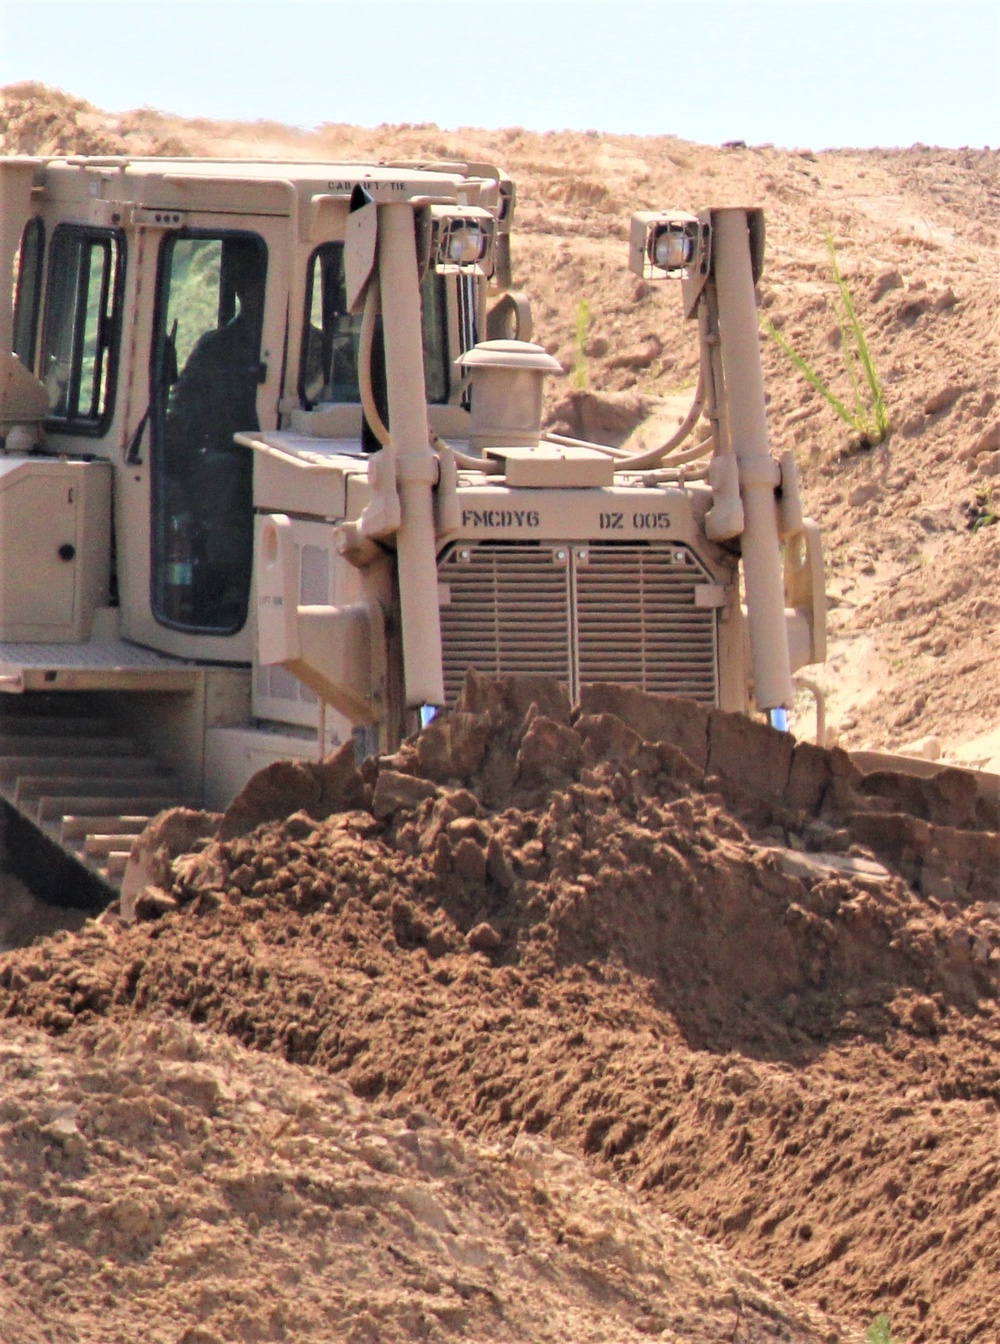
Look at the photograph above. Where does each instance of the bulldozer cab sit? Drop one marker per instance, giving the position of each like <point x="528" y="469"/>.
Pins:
<point x="156" y="335"/>
<point x="164" y="307"/>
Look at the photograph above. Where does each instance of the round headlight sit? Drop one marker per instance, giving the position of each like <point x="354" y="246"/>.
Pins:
<point x="465" y="244"/>
<point x="673" y="248"/>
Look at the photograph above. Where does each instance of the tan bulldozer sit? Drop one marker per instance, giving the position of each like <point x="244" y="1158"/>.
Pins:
<point x="274" y="478"/>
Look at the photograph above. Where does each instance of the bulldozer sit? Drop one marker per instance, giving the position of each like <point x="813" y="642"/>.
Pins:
<point x="274" y="478"/>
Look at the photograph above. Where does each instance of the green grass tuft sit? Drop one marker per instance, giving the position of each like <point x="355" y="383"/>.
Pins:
<point x="581" y="327"/>
<point x="867" y="414"/>
<point x="878" y="1331"/>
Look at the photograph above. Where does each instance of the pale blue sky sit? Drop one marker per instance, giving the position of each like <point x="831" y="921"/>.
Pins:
<point x="816" y="73"/>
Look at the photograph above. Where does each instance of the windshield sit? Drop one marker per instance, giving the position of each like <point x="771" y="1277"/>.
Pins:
<point x="329" y="367"/>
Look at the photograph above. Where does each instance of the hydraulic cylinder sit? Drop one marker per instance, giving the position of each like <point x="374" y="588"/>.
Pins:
<point x="416" y="464"/>
<point x="758" y="472"/>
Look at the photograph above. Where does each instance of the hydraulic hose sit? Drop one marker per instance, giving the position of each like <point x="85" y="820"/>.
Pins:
<point x="655" y="456"/>
<point x="664" y="455"/>
<point x="488" y="466"/>
<point x="677" y="474"/>
<point x="564" y="441"/>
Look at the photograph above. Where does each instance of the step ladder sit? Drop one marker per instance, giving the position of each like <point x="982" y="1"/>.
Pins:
<point x="81" y="781"/>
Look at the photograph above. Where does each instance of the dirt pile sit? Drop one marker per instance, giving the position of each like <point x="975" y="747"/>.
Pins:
<point x="39" y="120"/>
<point x="160" y="1178"/>
<point x="649" y="937"/>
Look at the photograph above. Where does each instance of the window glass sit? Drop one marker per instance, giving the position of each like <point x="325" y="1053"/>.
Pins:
<point x="27" y="294"/>
<point x="330" y="345"/>
<point x="467" y="333"/>
<point x="329" y="369"/>
<point x="78" y="347"/>
<point x="434" y="300"/>
<point x="204" y="379"/>
<point x="91" y="386"/>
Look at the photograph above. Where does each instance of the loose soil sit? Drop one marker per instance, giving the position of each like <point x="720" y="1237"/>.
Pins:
<point x="481" y="1042"/>
<point x="162" y="1179"/>
<point x="728" y="972"/>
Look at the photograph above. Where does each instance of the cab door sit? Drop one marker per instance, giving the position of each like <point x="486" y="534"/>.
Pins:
<point x="185" y="529"/>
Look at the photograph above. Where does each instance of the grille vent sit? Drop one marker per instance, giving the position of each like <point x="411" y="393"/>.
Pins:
<point x="623" y="613"/>
<point x="507" y="610"/>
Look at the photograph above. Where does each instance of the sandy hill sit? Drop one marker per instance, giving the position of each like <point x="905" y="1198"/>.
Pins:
<point x="916" y="613"/>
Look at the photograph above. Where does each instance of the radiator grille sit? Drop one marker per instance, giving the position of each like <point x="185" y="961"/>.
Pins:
<point x="507" y="610"/>
<point x="623" y="613"/>
<point x="637" y="623"/>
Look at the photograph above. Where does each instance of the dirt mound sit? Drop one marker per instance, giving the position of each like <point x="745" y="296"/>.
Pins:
<point x="39" y="120"/>
<point x="542" y="921"/>
<point x="161" y="1178"/>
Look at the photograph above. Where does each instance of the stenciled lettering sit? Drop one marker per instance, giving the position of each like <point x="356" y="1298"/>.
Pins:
<point x="522" y="518"/>
<point x="651" y="522"/>
<point x="611" y="522"/>
<point x="370" y="185"/>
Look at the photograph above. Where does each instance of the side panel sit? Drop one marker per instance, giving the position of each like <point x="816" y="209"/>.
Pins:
<point x="54" y="544"/>
<point x="324" y="580"/>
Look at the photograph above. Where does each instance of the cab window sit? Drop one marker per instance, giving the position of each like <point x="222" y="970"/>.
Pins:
<point x="28" y="291"/>
<point x="204" y="378"/>
<point x="329" y="366"/>
<point x="80" y="332"/>
<point x="434" y="301"/>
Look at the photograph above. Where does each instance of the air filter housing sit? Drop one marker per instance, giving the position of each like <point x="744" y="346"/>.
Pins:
<point x="507" y="378"/>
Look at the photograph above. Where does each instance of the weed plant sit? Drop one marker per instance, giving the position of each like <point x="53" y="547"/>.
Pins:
<point x="878" y="1331"/>
<point x="867" y="414"/>
<point x="580" y="329"/>
<point x="984" y="511"/>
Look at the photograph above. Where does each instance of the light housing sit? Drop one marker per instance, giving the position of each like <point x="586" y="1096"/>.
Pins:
<point x="462" y="240"/>
<point x="663" y="244"/>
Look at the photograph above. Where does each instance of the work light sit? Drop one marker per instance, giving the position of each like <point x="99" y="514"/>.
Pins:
<point x="663" y="244"/>
<point x="462" y="242"/>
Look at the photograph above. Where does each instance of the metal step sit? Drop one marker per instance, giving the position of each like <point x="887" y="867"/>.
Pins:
<point x="59" y="805"/>
<point x="103" y="844"/>
<point x="114" y="868"/>
<point x="76" y="766"/>
<point x="151" y="784"/>
<point x="73" y="829"/>
<point x="97" y="846"/>
<point x="82" y="783"/>
<point x="105" y="855"/>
